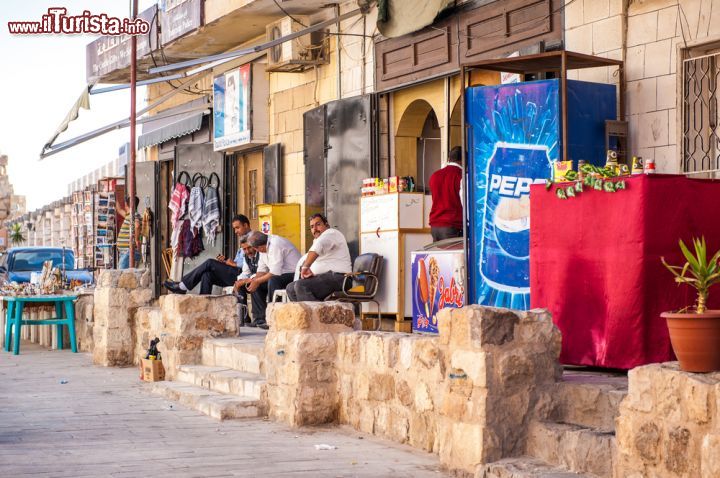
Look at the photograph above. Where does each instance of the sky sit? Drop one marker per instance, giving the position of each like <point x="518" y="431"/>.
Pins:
<point x="41" y="76"/>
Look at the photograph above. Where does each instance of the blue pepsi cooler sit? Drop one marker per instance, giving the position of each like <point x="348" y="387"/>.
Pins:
<point x="504" y="255"/>
<point x="514" y="135"/>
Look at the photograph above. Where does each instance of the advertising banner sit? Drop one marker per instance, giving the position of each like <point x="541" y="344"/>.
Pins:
<point x="231" y="97"/>
<point x="514" y="137"/>
<point x="437" y="283"/>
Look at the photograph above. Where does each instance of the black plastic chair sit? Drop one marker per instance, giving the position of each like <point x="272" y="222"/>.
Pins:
<point x="362" y="284"/>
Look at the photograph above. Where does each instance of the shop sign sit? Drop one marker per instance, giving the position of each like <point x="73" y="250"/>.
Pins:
<point x="231" y="99"/>
<point x="437" y="284"/>
<point x="112" y="52"/>
<point x="178" y="18"/>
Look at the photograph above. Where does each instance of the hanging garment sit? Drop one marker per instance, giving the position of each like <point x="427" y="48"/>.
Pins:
<point x="195" y="207"/>
<point x="196" y="245"/>
<point x="211" y="209"/>
<point x="147" y="223"/>
<point x="179" y="198"/>
<point x="185" y="239"/>
<point x="178" y="206"/>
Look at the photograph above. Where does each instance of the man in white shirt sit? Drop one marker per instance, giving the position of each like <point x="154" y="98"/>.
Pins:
<point x="325" y="265"/>
<point x="276" y="268"/>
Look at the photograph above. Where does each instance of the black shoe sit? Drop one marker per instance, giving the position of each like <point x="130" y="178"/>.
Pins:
<point x="261" y="324"/>
<point x="173" y="287"/>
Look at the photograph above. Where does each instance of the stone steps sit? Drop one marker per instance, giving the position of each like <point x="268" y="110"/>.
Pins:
<point x="222" y="380"/>
<point x="244" y="354"/>
<point x="525" y="467"/>
<point x="575" y="448"/>
<point x="589" y="399"/>
<point x="209" y="402"/>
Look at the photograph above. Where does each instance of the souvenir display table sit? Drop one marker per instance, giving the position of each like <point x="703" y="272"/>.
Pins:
<point x="595" y="265"/>
<point x="64" y="315"/>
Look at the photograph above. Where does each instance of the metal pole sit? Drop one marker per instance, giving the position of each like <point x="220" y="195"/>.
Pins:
<point x="563" y="106"/>
<point x="133" y="121"/>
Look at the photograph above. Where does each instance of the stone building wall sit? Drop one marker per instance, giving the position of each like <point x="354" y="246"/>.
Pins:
<point x="649" y="36"/>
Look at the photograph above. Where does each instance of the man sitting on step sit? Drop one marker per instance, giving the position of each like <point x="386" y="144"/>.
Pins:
<point x="276" y="269"/>
<point x="248" y="273"/>
<point x="221" y="272"/>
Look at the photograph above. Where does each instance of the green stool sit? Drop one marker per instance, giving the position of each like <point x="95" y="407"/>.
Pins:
<point x="14" y="320"/>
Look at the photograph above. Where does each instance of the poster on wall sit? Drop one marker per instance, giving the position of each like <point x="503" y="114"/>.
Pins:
<point x="514" y="137"/>
<point x="231" y="99"/>
<point x="437" y="283"/>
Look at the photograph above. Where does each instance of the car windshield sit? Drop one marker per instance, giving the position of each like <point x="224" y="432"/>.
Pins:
<point x="33" y="260"/>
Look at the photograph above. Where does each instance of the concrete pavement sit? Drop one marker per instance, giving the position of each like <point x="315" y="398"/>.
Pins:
<point x="60" y="416"/>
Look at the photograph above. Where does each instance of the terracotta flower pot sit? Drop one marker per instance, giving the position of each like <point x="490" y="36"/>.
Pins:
<point x="695" y="339"/>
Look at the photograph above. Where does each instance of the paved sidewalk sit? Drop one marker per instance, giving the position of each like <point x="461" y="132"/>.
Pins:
<point x="102" y="422"/>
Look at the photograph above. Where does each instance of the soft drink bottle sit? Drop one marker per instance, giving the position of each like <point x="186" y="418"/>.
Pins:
<point x="505" y="249"/>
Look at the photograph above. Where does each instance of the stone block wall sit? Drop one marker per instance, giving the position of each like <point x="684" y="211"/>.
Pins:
<point x="467" y="394"/>
<point x="389" y="385"/>
<point x="182" y="322"/>
<point x="118" y="295"/>
<point x="669" y="424"/>
<point x="300" y="357"/>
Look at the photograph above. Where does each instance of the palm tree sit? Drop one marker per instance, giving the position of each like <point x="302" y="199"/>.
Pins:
<point x="16" y="233"/>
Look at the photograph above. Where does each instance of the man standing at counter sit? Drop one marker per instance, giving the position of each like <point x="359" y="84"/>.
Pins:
<point x="446" y="214"/>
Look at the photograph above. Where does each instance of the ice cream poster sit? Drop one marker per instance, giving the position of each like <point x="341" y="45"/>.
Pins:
<point x="437" y="283"/>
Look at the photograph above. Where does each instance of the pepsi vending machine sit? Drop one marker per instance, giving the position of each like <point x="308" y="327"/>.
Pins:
<point x="514" y="135"/>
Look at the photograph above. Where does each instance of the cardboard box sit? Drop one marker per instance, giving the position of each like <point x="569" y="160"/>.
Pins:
<point x="152" y="370"/>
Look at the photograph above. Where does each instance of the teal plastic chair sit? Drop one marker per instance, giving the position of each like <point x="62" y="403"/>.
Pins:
<point x="64" y="316"/>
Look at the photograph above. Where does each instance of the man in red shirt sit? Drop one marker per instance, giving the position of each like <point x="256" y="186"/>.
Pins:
<point x="446" y="215"/>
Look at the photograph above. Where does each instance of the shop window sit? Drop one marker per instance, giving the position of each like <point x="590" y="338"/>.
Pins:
<point x="253" y="191"/>
<point x="700" y="132"/>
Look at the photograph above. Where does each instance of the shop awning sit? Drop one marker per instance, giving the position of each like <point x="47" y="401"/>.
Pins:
<point x="161" y="130"/>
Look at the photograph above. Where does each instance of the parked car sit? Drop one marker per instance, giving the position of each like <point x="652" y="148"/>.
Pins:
<point x="18" y="263"/>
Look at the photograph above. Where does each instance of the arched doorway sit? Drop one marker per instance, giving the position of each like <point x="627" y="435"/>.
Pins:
<point x="418" y="142"/>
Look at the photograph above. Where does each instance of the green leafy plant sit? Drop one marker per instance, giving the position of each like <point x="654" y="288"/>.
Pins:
<point x="697" y="271"/>
<point x="16" y="234"/>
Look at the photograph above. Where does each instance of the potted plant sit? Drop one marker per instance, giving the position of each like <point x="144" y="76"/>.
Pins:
<point x="694" y="330"/>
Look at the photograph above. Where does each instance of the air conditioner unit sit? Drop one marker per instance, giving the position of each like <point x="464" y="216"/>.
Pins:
<point x="298" y="54"/>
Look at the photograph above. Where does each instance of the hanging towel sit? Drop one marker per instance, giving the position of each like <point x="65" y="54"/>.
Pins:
<point x="211" y="213"/>
<point x="178" y="202"/>
<point x="195" y="207"/>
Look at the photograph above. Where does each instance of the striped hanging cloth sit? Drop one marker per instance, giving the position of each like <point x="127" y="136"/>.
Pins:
<point x="195" y="207"/>
<point x="211" y="213"/>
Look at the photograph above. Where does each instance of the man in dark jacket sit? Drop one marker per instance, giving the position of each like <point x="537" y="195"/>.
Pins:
<point x="446" y="214"/>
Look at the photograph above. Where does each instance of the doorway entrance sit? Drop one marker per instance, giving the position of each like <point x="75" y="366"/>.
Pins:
<point x="249" y="185"/>
<point x="418" y="144"/>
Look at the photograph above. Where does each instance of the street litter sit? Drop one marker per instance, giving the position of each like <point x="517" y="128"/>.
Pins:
<point x="325" y="447"/>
